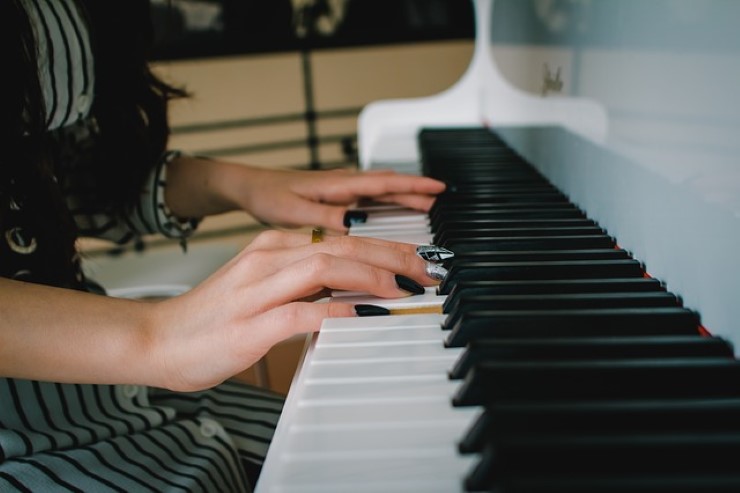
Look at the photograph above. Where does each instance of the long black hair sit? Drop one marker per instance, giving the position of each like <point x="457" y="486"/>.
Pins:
<point x="130" y="109"/>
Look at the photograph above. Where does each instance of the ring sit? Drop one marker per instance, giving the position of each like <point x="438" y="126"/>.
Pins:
<point x="317" y="235"/>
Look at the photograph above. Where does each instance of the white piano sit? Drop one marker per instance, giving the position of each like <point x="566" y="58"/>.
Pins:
<point x="632" y="109"/>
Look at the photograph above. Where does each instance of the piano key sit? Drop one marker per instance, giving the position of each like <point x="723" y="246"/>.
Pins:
<point x="556" y="301"/>
<point x="591" y="348"/>
<point x="641" y="415"/>
<point x="528" y="243"/>
<point x="604" y="322"/>
<point x="442" y="237"/>
<point x="520" y="223"/>
<point x="619" y="482"/>
<point x="608" y="379"/>
<point x="591" y="456"/>
<point x="549" y="286"/>
<point x="484" y="255"/>
<point x="539" y="211"/>
<point x="539" y="270"/>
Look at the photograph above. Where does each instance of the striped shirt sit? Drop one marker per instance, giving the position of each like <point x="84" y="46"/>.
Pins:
<point x="81" y="437"/>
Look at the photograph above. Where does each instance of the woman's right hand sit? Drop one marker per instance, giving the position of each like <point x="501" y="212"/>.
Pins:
<point x="259" y="298"/>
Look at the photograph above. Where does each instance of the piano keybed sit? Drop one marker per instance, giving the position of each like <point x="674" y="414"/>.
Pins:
<point x="557" y="364"/>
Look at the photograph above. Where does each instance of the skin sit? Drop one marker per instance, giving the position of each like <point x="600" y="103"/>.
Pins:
<point x="228" y="322"/>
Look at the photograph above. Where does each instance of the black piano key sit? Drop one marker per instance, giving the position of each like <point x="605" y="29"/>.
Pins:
<point x="530" y="243"/>
<point x="677" y="482"/>
<point x="556" y="301"/>
<point x="446" y="235"/>
<point x="531" y="211"/>
<point x="484" y="224"/>
<point x="665" y="378"/>
<point x="498" y="350"/>
<point x="476" y="195"/>
<point x="539" y="270"/>
<point x="604" y="322"/>
<point x="500" y="421"/>
<point x="540" y="255"/>
<point x="595" y="457"/>
<point x="461" y="305"/>
<point x="549" y="286"/>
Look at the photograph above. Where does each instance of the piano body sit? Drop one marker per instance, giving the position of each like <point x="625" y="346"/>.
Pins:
<point x="631" y="111"/>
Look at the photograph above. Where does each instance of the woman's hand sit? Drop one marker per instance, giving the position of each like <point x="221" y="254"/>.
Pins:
<point x="230" y="321"/>
<point x="322" y="198"/>
<point x="198" y="187"/>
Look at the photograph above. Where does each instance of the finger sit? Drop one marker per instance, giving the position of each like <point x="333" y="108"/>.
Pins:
<point x="416" y="202"/>
<point x="328" y="216"/>
<point x="309" y="276"/>
<point x="382" y="184"/>
<point x="346" y="190"/>
<point x="286" y="321"/>
<point x="399" y="261"/>
<point x="273" y="239"/>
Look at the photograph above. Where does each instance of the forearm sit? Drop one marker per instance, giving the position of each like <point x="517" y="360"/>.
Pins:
<point x="198" y="187"/>
<point x="62" y="335"/>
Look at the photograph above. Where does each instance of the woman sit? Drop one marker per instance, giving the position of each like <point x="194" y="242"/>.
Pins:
<point x="102" y="394"/>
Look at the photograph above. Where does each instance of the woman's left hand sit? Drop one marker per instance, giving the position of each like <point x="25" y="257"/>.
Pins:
<point x="322" y="198"/>
<point x="289" y="198"/>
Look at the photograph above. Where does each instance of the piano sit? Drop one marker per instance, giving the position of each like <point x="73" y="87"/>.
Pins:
<point x="585" y="339"/>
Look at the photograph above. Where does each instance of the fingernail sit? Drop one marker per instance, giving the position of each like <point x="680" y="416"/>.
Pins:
<point x="409" y="285"/>
<point x="354" y="217"/>
<point x="436" y="271"/>
<point x="433" y="253"/>
<point x="371" y="311"/>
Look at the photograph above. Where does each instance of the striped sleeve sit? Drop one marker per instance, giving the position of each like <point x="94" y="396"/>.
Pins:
<point x="148" y="214"/>
<point x="151" y="214"/>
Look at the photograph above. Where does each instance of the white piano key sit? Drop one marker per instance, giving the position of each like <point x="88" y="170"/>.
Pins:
<point x="373" y="369"/>
<point x="397" y="215"/>
<point x="424" y="349"/>
<point x="405" y="321"/>
<point x="380" y="437"/>
<point x="370" y="229"/>
<point x="403" y="470"/>
<point x="400" y="232"/>
<point x="381" y="337"/>
<point x="435" y="408"/>
<point x="396" y="389"/>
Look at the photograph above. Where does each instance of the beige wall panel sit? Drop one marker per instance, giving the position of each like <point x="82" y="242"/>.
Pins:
<point x="357" y="76"/>
<point x="236" y="87"/>
<point x="337" y="126"/>
<point x="200" y="141"/>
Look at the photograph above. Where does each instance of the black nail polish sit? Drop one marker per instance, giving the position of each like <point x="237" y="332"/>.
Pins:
<point x="354" y="217"/>
<point x="409" y="285"/>
<point x="371" y="311"/>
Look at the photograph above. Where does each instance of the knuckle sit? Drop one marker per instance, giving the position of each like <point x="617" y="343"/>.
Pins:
<point x="318" y="263"/>
<point x="255" y="257"/>
<point x="267" y="238"/>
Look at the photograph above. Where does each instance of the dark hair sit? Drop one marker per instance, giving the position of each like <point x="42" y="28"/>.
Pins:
<point x="130" y="101"/>
<point x="130" y="108"/>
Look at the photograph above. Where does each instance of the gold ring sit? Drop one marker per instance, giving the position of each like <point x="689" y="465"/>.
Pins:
<point x="317" y="235"/>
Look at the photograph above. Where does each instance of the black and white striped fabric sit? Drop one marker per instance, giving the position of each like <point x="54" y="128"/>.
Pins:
<point x="65" y="60"/>
<point x="68" y="437"/>
<point x="63" y="437"/>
